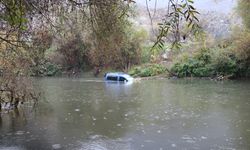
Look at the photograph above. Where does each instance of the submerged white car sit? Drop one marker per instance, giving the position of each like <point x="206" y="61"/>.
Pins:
<point x="118" y="77"/>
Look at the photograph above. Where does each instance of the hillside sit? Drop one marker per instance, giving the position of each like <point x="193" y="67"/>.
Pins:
<point x="217" y="25"/>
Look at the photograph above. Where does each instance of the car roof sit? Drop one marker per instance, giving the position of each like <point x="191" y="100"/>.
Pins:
<point x="118" y="74"/>
<point x="115" y="73"/>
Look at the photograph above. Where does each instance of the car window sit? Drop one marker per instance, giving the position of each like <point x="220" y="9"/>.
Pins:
<point x="122" y="79"/>
<point x="112" y="78"/>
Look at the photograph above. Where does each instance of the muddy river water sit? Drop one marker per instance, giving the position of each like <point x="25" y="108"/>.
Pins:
<point x="78" y="113"/>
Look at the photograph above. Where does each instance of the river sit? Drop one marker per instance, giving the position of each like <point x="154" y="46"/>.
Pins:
<point x="79" y="113"/>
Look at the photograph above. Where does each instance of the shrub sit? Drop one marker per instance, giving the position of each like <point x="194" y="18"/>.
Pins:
<point x="207" y="63"/>
<point x="192" y="67"/>
<point x="241" y="48"/>
<point x="46" y="69"/>
<point x="224" y="61"/>
<point x="147" y="70"/>
<point x="146" y="54"/>
<point x="52" y="69"/>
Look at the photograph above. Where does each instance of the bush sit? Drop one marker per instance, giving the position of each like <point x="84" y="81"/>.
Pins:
<point x="230" y="58"/>
<point x="147" y="70"/>
<point x="241" y="48"/>
<point x="46" y="69"/>
<point x="196" y="65"/>
<point x="224" y="62"/>
<point x="52" y="69"/>
<point x="206" y="63"/>
<point x="146" y="54"/>
<point x="192" y="67"/>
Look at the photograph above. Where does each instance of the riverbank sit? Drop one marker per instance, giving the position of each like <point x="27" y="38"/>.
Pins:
<point x="166" y="76"/>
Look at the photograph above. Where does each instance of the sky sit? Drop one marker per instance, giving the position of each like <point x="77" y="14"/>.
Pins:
<point x="222" y="6"/>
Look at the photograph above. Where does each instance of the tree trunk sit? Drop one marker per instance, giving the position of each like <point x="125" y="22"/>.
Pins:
<point x="16" y="102"/>
<point x="11" y="98"/>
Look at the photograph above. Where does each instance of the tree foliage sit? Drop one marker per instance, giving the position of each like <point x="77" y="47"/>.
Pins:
<point x="244" y="10"/>
<point x="179" y="12"/>
<point x="15" y="87"/>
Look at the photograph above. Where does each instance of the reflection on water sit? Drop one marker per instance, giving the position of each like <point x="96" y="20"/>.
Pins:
<point x="157" y="114"/>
